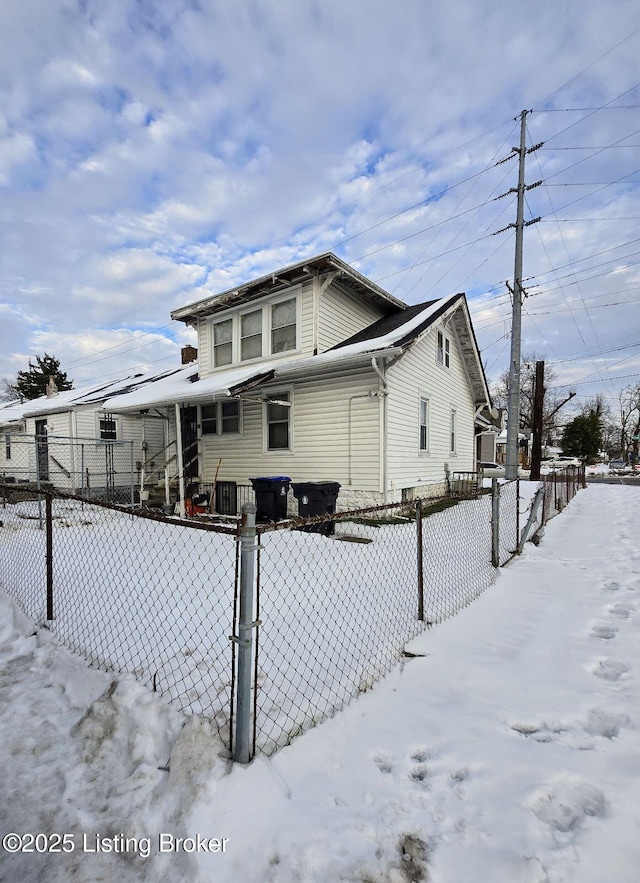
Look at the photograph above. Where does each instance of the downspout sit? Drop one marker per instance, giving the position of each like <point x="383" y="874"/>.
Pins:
<point x="180" y="462"/>
<point x="383" y="424"/>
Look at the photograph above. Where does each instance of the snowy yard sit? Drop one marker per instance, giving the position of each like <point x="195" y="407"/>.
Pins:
<point x="156" y="599"/>
<point x="508" y="752"/>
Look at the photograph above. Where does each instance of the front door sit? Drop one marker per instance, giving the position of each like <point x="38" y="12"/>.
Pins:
<point x="189" y="423"/>
<point x="42" y="451"/>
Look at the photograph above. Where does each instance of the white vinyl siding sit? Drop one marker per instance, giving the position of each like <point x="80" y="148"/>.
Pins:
<point x="319" y="424"/>
<point x="408" y="379"/>
<point x="341" y="316"/>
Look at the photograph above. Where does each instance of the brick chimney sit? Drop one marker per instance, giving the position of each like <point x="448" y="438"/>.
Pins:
<point x="189" y="354"/>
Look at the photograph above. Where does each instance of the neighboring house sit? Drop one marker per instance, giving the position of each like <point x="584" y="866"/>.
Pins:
<point x="316" y="373"/>
<point x="524" y="442"/>
<point x="489" y="424"/>
<point x="71" y="441"/>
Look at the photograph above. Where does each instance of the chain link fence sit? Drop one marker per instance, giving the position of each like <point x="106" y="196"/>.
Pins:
<point x="129" y="593"/>
<point x="87" y="467"/>
<point x="332" y="602"/>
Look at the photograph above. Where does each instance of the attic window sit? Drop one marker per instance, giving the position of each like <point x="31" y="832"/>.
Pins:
<point x="444" y="350"/>
<point x="251" y="335"/>
<point x="283" y="326"/>
<point x="223" y="342"/>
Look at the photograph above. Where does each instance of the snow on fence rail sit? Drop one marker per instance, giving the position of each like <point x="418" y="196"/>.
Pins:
<point x="159" y="598"/>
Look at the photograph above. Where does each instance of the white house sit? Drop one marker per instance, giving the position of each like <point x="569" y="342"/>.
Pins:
<point x="316" y="373"/>
<point x="70" y="440"/>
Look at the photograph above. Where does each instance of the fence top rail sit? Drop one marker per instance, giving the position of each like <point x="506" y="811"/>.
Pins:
<point x="17" y="437"/>
<point x="300" y="521"/>
<point x="8" y="490"/>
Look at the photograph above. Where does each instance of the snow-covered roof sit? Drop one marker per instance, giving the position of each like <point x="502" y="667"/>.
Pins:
<point x="11" y="412"/>
<point x="86" y="394"/>
<point x="286" y="277"/>
<point x="182" y="388"/>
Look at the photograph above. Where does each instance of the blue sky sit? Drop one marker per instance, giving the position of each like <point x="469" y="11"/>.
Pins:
<point x="154" y="153"/>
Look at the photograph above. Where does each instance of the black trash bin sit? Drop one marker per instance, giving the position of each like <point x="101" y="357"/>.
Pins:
<point x="317" y="498"/>
<point x="271" y="497"/>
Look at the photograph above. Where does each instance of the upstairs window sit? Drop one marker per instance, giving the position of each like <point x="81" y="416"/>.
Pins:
<point x="251" y="335"/>
<point x="444" y="350"/>
<point x="283" y="326"/>
<point x="223" y="343"/>
<point x="268" y="330"/>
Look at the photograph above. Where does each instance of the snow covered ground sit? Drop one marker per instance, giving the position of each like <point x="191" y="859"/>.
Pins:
<point x="509" y="751"/>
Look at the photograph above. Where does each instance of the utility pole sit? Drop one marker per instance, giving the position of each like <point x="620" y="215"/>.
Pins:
<point x="538" y="408"/>
<point x="513" y="424"/>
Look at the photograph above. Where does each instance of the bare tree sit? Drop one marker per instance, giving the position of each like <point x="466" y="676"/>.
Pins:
<point x="630" y="421"/>
<point x="8" y="391"/>
<point x="552" y="401"/>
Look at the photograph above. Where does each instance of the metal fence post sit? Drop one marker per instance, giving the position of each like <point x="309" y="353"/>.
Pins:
<point x="495" y="522"/>
<point x="420" y="568"/>
<point x="49" y="535"/>
<point x="244" y="639"/>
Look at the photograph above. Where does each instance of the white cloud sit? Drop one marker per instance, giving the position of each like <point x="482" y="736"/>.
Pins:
<point x="153" y="153"/>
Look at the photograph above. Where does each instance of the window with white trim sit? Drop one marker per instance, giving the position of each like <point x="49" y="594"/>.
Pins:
<point x="108" y="427"/>
<point x="424" y="424"/>
<point x="209" y="419"/>
<point x="7" y="446"/>
<point x="444" y="350"/>
<point x="220" y="418"/>
<point x="453" y="431"/>
<point x="229" y="416"/>
<point x="223" y="342"/>
<point x="283" y="326"/>
<point x="251" y="335"/>
<point x="278" y="422"/>
<point x="267" y="330"/>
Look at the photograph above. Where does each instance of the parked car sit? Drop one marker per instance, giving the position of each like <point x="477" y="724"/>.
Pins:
<point x="497" y="470"/>
<point x="564" y="461"/>
<point x="618" y="465"/>
<point x="492" y="470"/>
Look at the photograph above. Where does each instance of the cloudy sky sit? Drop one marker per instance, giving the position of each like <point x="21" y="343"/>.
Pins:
<point x="152" y="153"/>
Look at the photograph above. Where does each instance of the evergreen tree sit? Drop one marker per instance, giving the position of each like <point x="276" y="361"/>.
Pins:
<point x="33" y="383"/>
<point x="582" y="436"/>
